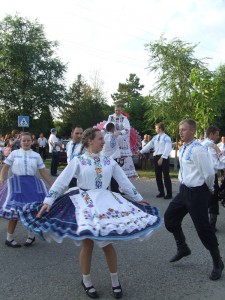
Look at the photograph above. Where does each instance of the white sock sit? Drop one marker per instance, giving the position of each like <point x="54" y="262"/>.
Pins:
<point x="87" y="282"/>
<point x="30" y="234"/>
<point x="115" y="280"/>
<point x="10" y="238"/>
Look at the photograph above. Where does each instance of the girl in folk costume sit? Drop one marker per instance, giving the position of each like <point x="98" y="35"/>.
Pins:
<point x="22" y="187"/>
<point x="91" y="213"/>
<point x="122" y="130"/>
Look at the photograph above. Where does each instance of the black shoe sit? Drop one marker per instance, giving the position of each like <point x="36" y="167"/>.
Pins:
<point x="28" y="244"/>
<point x="87" y="290"/>
<point x="218" y="265"/>
<point x="217" y="271"/>
<point x="117" y="292"/>
<point x="182" y="252"/>
<point x="168" y="197"/>
<point x="160" y="195"/>
<point x="9" y="244"/>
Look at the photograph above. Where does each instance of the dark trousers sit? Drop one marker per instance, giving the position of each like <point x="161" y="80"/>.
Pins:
<point x="114" y="185"/>
<point x="54" y="163"/>
<point x="163" y="172"/>
<point x="73" y="182"/>
<point x="214" y="199"/>
<point x="42" y="152"/>
<point x="195" y="202"/>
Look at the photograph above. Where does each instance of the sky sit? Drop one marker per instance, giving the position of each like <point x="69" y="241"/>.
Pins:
<point x="108" y="37"/>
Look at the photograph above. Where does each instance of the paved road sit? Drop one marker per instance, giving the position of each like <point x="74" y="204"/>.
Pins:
<point x="51" y="271"/>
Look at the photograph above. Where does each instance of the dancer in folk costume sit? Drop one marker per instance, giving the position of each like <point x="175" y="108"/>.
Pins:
<point x="91" y="213"/>
<point x="122" y="130"/>
<point x="22" y="187"/>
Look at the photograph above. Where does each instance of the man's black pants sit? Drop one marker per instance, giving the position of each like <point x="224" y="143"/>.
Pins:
<point x="195" y="202"/>
<point x="163" y="170"/>
<point x="54" y="163"/>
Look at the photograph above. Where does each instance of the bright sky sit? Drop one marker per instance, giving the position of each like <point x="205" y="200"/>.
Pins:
<point x="108" y="36"/>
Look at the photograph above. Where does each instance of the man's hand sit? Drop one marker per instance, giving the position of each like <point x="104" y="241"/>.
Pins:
<point x="160" y="161"/>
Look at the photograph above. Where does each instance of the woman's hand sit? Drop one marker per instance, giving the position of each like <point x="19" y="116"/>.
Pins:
<point x="1" y="182"/>
<point x="144" y="202"/>
<point x="45" y="208"/>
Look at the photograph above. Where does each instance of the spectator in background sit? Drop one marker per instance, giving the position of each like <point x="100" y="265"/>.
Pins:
<point x="42" y="143"/>
<point x="54" y="149"/>
<point x="34" y="145"/>
<point x="145" y="156"/>
<point x="14" y="141"/>
<point x="221" y="145"/>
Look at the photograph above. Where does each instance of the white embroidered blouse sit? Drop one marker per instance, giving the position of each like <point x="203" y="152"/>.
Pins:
<point x="24" y="162"/>
<point x="93" y="171"/>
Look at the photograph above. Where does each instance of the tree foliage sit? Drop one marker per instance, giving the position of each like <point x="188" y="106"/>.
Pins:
<point x="129" y="91"/>
<point x="31" y="76"/>
<point x="84" y="105"/>
<point x="172" y="62"/>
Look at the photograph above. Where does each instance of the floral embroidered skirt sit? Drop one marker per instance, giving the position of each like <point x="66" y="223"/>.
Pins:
<point x="18" y="191"/>
<point x="99" y="215"/>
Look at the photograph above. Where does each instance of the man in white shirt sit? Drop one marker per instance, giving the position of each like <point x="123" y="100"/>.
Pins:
<point x="54" y="149"/>
<point x="196" y="176"/>
<point x="42" y="143"/>
<point x="212" y="136"/>
<point x="111" y="149"/>
<point x="73" y="148"/>
<point x="162" y="145"/>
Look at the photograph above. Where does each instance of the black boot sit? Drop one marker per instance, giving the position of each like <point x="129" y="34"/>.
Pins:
<point x="182" y="247"/>
<point x="218" y="265"/>
<point x="182" y="251"/>
<point x="212" y="221"/>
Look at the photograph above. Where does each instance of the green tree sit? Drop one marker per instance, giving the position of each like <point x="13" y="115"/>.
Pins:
<point x="129" y="91"/>
<point x="31" y="76"/>
<point x="219" y="82"/>
<point x="172" y="62"/>
<point x="84" y="105"/>
<point x="207" y="103"/>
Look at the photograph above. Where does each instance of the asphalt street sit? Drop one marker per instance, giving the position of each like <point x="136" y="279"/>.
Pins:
<point x="50" y="271"/>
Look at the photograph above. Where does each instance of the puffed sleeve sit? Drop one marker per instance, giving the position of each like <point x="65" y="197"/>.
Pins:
<point x="10" y="159"/>
<point x="40" y="163"/>
<point x="125" y="185"/>
<point x="62" y="181"/>
<point x="126" y="126"/>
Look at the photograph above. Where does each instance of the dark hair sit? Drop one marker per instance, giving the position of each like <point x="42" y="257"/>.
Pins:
<point x="211" y="129"/>
<point x="89" y="134"/>
<point x="109" y="126"/>
<point x="76" y="126"/>
<point x="160" y="125"/>
<point x="119" y="106"/>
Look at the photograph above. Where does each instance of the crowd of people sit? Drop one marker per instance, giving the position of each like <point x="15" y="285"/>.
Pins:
<point x="86" y="202"/>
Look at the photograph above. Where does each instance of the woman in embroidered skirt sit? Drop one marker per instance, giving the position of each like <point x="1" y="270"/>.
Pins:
<point x="92" y="213"/>
<point x="22" y="187"/>
<point x="122" y="130"/>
